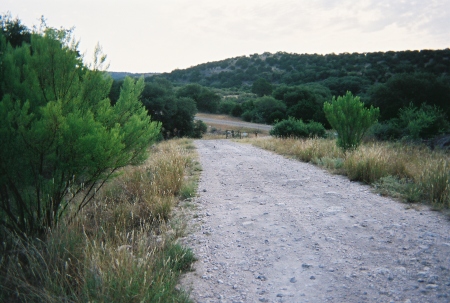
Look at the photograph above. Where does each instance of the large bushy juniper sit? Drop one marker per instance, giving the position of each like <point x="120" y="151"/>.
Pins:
<point x="60" y="137"/>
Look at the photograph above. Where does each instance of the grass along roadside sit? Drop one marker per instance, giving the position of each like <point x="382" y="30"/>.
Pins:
<point x="122" y="248"/>
<point x="411" y="173"/>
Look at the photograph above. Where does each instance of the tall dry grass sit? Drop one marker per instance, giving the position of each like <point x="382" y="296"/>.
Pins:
<point x="121" y="248"/>
<point x="414" y="173"/>
<point x="373" y="161"/>
<point x="302" y="149"/>
<point x="434" y="181"/>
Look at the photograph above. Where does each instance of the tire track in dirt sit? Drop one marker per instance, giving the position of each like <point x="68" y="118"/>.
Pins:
<point x="271" y="229"/>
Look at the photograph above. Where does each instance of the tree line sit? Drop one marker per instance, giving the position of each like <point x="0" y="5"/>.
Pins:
<point x="355" y="70"/>
<point x="410" y="88"/>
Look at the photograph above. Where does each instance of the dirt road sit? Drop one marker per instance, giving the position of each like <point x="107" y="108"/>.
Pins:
<point x="242" y="124"/>
<point x="270" y="229"/>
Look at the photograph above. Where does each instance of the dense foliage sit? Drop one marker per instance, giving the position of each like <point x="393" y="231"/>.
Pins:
<point x="391" y="81"/>
<point x="413" y="123"/>
<point x="401" y="90"/>
<point x="205" y="99"/>
<point x="174" y="107"/>
<point x="261" y="87"/>
<point x="60" y="138"/>
<point x="175" y="113"/>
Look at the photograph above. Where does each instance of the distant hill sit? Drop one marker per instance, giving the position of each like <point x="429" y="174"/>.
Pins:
<point x="294" y="69"/>
<point x="122" y="75"/>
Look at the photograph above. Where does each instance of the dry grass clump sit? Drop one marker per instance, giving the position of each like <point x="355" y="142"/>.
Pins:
<point x="373" y="161"/>
<point x="303" y="149"/>
<point x="121" y="248"/>
<point x="435" y="182"/>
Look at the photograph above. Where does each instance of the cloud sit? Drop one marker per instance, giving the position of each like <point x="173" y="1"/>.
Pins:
<point x="376" y="15"/>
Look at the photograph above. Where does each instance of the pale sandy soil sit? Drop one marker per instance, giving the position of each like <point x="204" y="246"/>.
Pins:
<point x="270" y="229"/>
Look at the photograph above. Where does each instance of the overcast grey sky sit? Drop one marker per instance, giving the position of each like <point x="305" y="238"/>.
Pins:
<point x="162" y="35"/>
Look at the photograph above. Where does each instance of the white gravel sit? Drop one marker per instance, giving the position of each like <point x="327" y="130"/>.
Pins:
<point x="271" y="229"/>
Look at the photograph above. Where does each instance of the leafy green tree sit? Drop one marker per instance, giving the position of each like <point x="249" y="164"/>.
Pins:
<point x="413" y="123"/>
<point x="206" y="100"/>
<point x="175" y="113"/>
<point x="183" y="124"/>
<point x="226" y="106"/>
<point x="304" y="102"/>
<point x="160" y="102"/>
<point x="269" y="109"/>
<point x="60" y="138"/>
<point x="348" y="116"/>
<point x="190" y="91"/>
<point x="262" y="87"/>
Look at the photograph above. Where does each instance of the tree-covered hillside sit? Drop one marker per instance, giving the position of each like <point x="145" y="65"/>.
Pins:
<point x="355" y="71"/>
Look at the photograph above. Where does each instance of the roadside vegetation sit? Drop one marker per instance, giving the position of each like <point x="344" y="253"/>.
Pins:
<point x="86" y="192"/>
<point x="121" y="248"/>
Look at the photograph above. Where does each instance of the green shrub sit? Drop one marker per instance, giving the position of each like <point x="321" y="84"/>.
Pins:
<point x="413" y="124"/>
<point x="422" y="123"/>
<point x="114" y="251"/>
<point x="297" y="129"/>
<point x="289" y="128"/>
<point x="61" y="140"/>
<point x="315" y="129"/>
<point x="348" y="116"/>
<point x="199" y="129"/>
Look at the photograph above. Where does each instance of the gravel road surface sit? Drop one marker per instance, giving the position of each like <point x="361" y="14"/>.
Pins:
<point x="271" y="229"/>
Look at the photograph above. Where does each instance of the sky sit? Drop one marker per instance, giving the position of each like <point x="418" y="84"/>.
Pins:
<point x="143" y="36"/>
